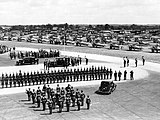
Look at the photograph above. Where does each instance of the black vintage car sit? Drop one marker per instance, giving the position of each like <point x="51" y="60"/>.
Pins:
<point x="106" y="88"/>
<point x="60" y="62"/>
<point x="27" y="61"/>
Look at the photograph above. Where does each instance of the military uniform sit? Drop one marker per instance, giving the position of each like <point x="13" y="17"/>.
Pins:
<point x="48" y="92"/>
<point x="110" y="73"/>
<point x="50" y="103"/>
<point x="44" y="100"/>
<point x="82" y="96"/>
<point x="33" y="96"/>
<point x="88" y="102"/>
<point x="79" y="103"/>
<point x="131" y="75"/>
<point x="2" y="82"/>
<point x="60" y="104"/>
<point x="10" y="80"/>
<point x="119" y="75"/>
<point x="53" y="102"/>
<point x="125" y="74"/>
<point x="29" y="94"/>
<point x="115" y="76"/>
<point x="38" y="97"/>
<point x="68" y="102"/>
<point x="6" y="80"/>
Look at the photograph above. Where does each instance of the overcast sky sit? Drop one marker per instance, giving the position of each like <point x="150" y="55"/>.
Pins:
<point x="79" y="11"/>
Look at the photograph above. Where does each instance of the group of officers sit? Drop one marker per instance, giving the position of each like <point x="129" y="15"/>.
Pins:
<point x="61" y="76"/>
<point x="63" y="62"/>
<point x="41" y="53"/>
<point x="59" y="97"/>
<point x="126" y="61"/>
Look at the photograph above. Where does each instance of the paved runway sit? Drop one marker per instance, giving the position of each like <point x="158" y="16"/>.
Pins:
<point x="132" y="100"/>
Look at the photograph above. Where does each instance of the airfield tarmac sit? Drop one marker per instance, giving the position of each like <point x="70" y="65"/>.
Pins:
<point x="132" y="100"/>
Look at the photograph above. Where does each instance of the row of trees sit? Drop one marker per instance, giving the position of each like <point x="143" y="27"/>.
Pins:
<point x="97" y="27"/>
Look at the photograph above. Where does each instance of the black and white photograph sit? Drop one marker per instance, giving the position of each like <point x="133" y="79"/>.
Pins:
<point x="79" y="59"/>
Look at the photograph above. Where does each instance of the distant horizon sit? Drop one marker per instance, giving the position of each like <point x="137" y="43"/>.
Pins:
<point x="81" y="24"/>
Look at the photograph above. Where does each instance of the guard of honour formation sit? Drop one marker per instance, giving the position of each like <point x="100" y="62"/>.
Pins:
<point x="58" y="98"/>
<point x="66" y="75"/>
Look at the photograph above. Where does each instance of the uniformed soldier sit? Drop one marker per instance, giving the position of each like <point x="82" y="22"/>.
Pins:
<point x="90" y="73"/>
<point x="82" y="96"/>
<point x="84" y="74"/>
<point x="81" y="74"/>
<point x="33" y="96"/>
<point x="110" y="73"/>
<point x="119" y="75"/>
<point x="48" y="92"/>
<point x="51" y="76"/>
<point x="73" y="98"/>
<point x="104" y="72"/>
<point x="52" y="92"/>
<point x="3" y="79"/>
<point x="115" y="76"/>
<point x="136" y="62"/>
<point x="77" y="74"/>
<point x="25" y="78"/>
<point x="44" y="100"/>
<point x="99" y="75"/>
<point x="38" y="97"/>
<point x="28" y="78"/>
<point x="41" y="77"/>
<point x="71" y="74"/>
<point x="10" y="80"/>
<point x="143" y="60"/>
<point x="86" y="60"/>
<point x="37" y="76"/>
<point x="88" y="102"/>
<point x="79" y="103"/>
<point x="44" y="89"/>
<point x="77" y="93"/>
<point x="45" y="64"/>
<point x="131" y="75"/>
<point x="50" y="106"/>
<point x="53" y="101"/>
<point x="21" y="77"/>
<point x="32" y="78"/>
<point x="125" y="74"/>
<point x="101" y="72"/>
<point x="124" y="61"/>
<point x="96" y="73"/>
<point x="14" y="80"/>
<point x="58" y="89"/>
<point x="68" y="102"/>
<point x="48" y="77"/>
<point x="62" y="91"/>
<point x="93" y="72"/>
<point x="87" y="74"/>
<point x="107" y="73"/>
<point x="60" y="104"/>
<point x="58" y="76"/>
<point x="29" y="94"/>
<point x="74" y="75"/>
<point x="127" y="61"/>
<point x="68" y="88"/>
<point x="6" y="80"/>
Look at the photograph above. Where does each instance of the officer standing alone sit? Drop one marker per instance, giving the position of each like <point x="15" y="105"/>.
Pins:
<point x="88" y="102"/>
<point x="143" y="60"/>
